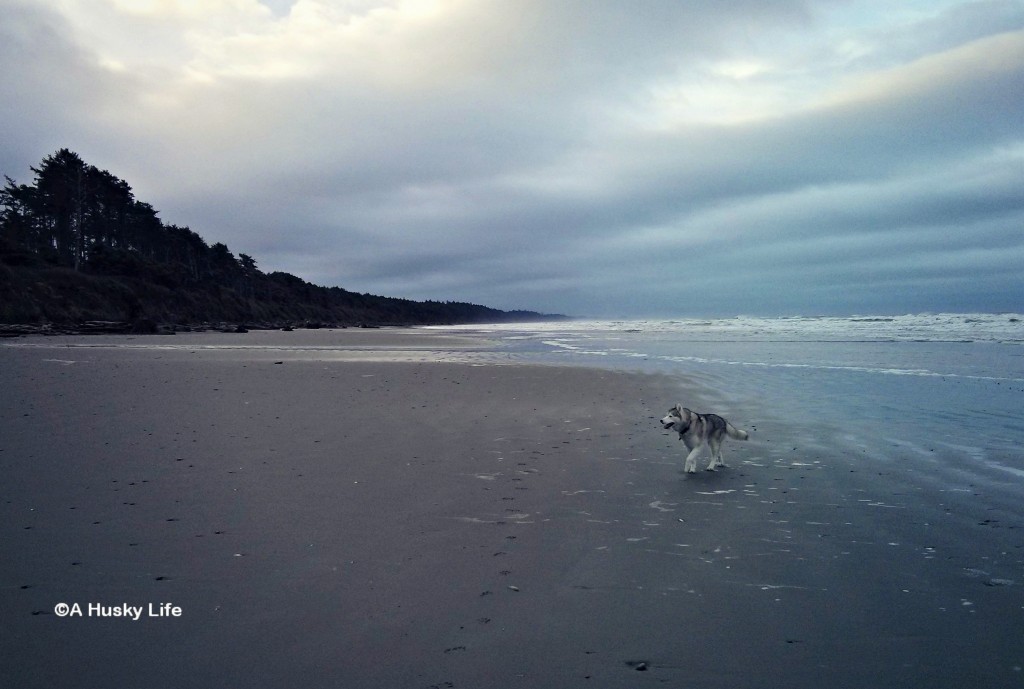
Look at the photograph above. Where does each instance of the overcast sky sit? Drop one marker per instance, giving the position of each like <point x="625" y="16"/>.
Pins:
<point x="589" y="157"/>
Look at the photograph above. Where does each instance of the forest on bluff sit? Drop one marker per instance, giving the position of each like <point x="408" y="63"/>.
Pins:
<point x="76" y="245"/>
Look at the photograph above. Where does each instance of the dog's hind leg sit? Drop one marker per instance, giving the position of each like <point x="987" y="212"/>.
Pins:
<point x="691" y="460"/>
<point x="716" y="455"/>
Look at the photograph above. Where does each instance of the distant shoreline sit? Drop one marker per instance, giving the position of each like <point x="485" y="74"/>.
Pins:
<point x="106" y="263"/>
<point x="148" y="327"/>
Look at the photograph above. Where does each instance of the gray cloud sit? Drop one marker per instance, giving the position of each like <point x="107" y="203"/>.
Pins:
<point x="595" y="158"/>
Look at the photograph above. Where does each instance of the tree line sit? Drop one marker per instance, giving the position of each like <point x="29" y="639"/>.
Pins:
<point x="75" y="218"/>
<point x="76" y="215"/>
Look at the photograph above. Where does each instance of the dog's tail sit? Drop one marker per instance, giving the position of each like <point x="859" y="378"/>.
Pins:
<point x="735" y="432"/>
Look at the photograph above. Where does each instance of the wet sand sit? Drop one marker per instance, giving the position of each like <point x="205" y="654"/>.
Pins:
<point x="373" y="518"/>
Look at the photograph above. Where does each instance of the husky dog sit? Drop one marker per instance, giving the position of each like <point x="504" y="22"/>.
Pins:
<point x="696" y="430"/>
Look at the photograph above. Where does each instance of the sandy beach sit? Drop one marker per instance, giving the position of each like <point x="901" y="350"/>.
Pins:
<point x="374" y="514"/>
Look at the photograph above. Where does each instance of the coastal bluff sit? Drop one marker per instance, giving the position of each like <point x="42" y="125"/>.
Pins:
<point x="78" y="252"/>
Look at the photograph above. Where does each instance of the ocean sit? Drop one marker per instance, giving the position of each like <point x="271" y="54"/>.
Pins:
<point x="943" y="390"/>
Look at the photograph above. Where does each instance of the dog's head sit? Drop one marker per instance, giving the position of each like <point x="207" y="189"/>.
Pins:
<point x="677" y="418"/>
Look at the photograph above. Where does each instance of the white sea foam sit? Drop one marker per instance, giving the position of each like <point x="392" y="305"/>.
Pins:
<point x="938" y="327"/>
<point x="705" y="341"/>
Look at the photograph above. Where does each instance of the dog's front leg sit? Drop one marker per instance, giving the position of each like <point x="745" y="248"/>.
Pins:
<point x="691" y="460"/>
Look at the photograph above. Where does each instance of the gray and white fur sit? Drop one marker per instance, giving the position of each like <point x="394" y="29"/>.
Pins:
<point x="697" y="430"/>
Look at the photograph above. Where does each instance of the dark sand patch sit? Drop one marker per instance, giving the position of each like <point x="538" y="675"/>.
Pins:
<point x="327" y="523"/>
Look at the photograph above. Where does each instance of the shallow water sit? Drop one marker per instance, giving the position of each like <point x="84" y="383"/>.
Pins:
<point x="944" y="390"/>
